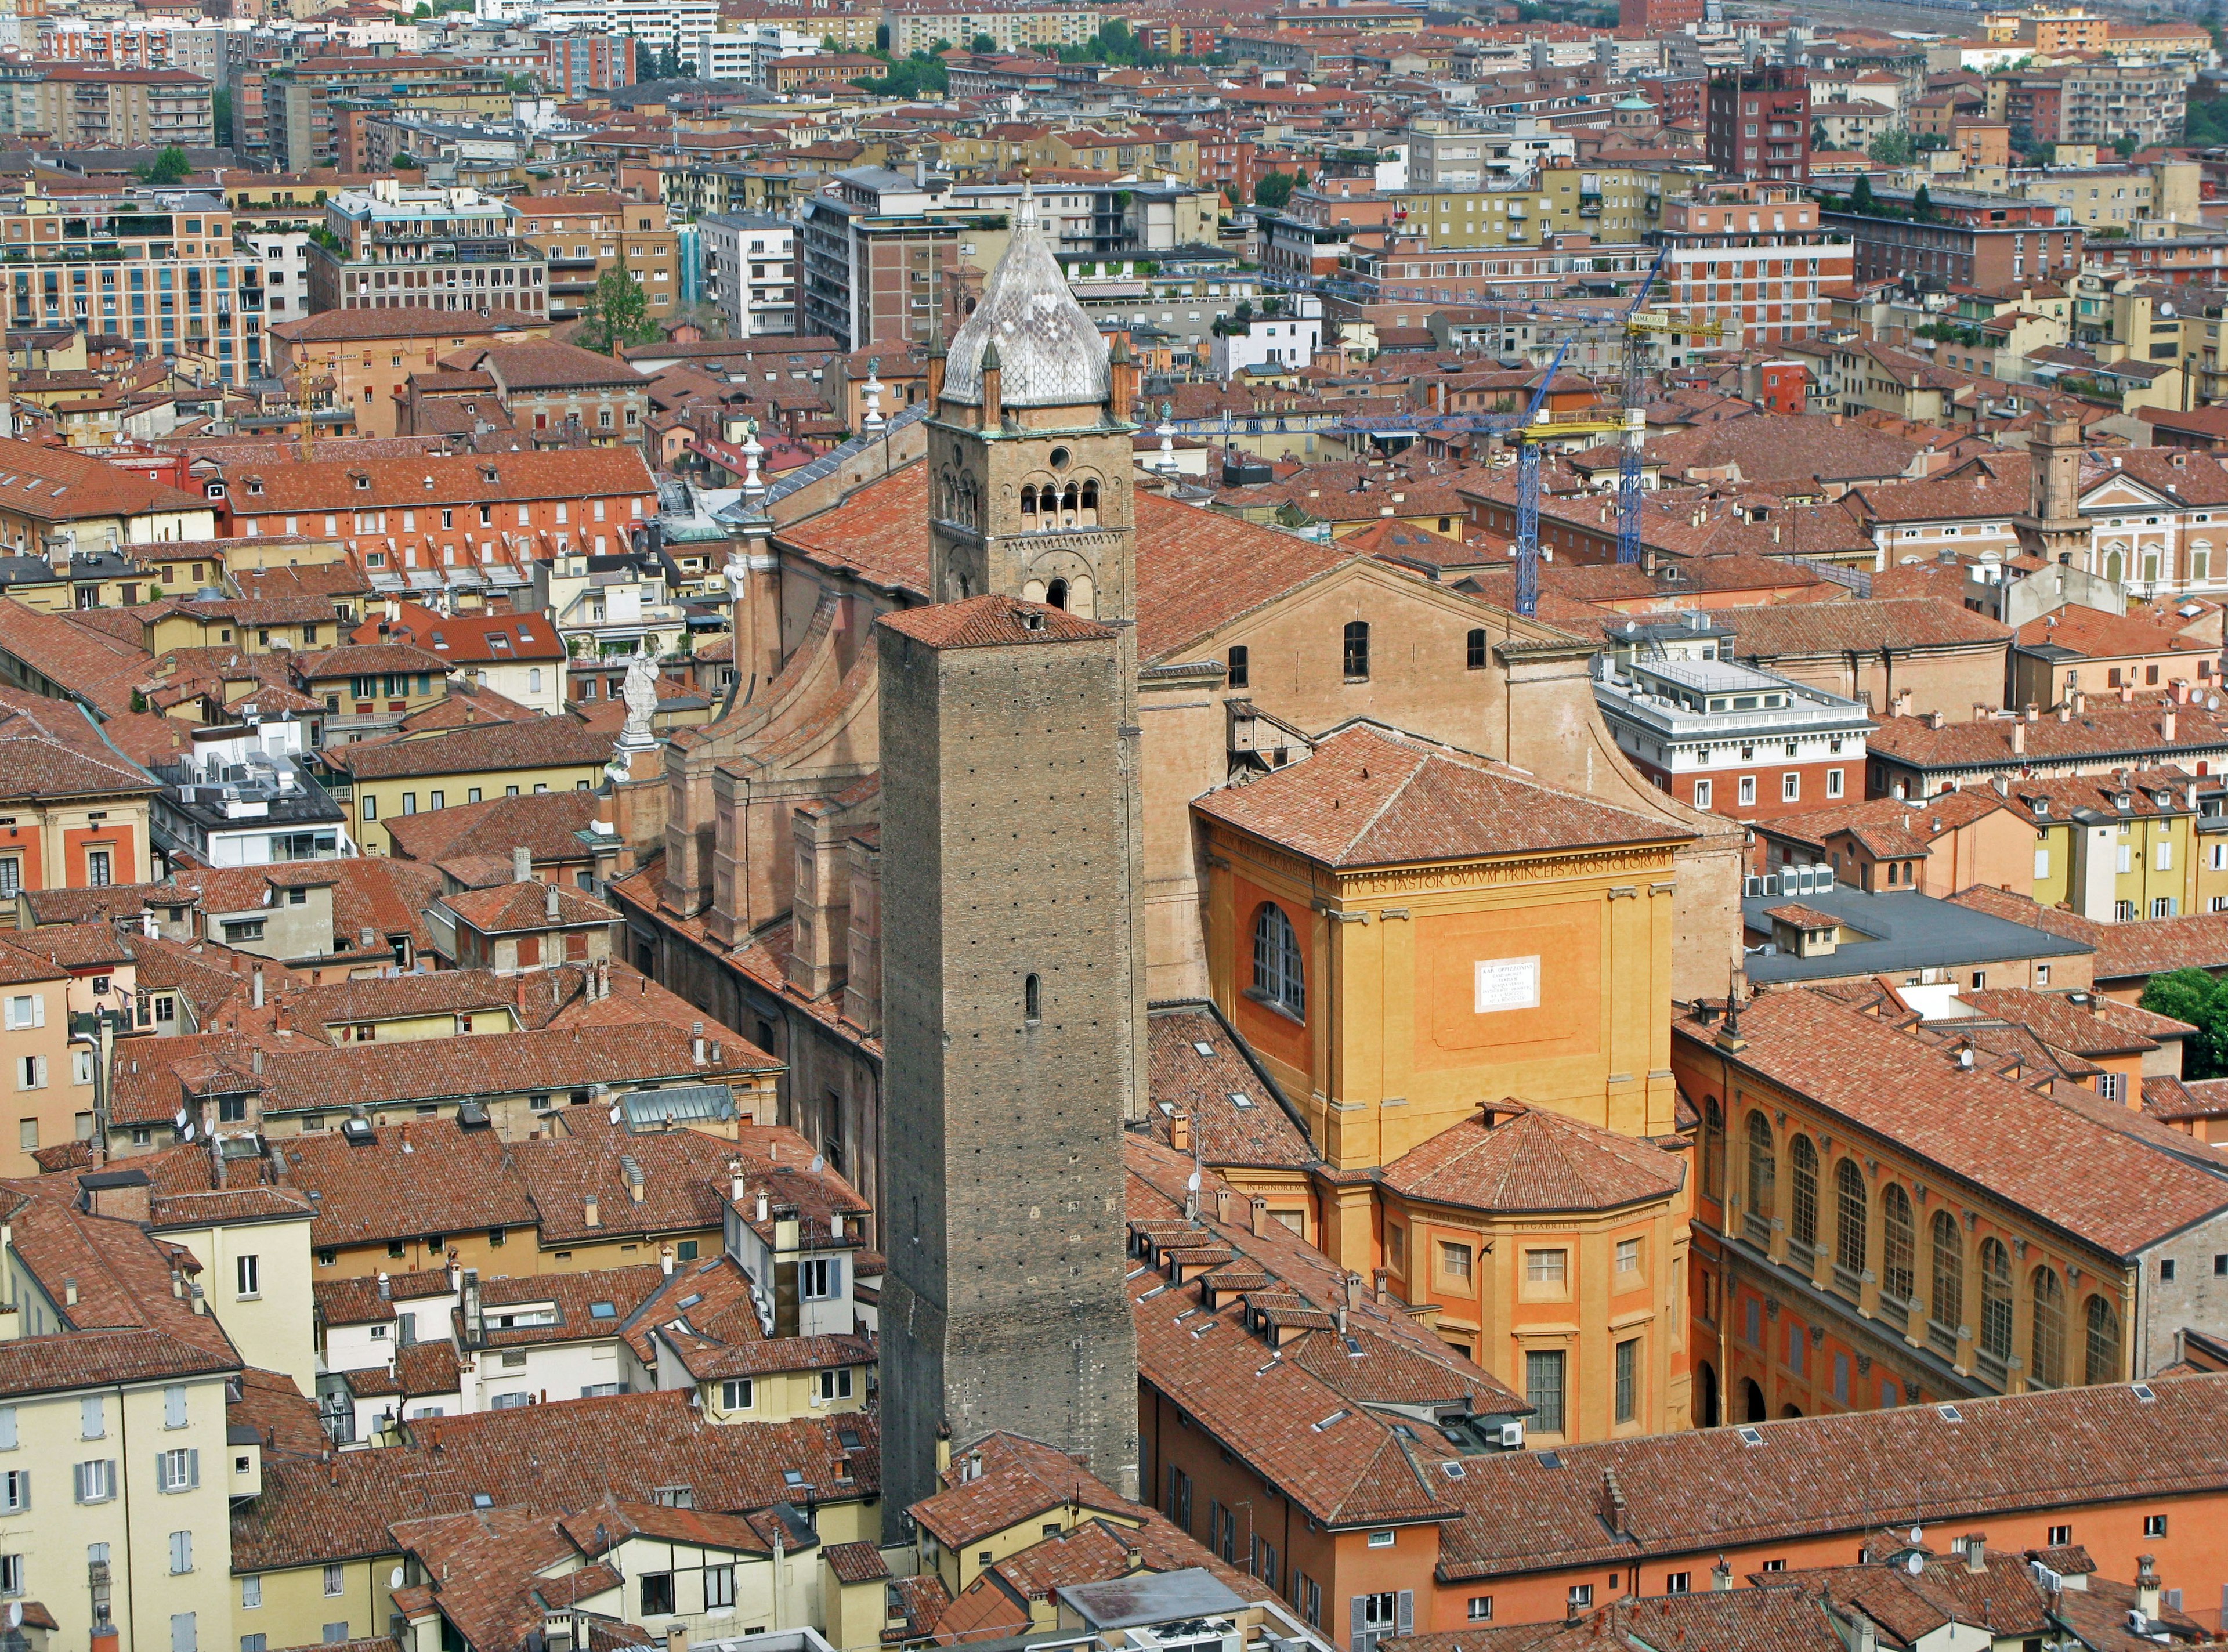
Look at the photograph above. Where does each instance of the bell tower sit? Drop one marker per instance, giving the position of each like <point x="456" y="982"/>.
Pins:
<point x="1012" y="962"/>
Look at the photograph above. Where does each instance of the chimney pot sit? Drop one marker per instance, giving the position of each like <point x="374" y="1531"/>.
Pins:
<point x="589" y="1215"/>
<point x="1260" y="1215"/>
<point x="522" y="864"/>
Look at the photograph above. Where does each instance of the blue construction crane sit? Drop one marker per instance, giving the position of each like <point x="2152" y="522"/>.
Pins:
<point x="1527" y="493"/>
<point x="1635" y="421"/>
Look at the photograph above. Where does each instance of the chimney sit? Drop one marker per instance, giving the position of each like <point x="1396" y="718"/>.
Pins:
<point x="1260" y="1215"/>
<point x="2080" y="701"/>
<point x="1980" y="712"/>
<point x="1179" y="1131"/>
<point x="1382" y="1282"/>
<point x="385" y="1287"/>
<point x="677" y="1639"/>
<point x="1900" y="706"/>
<point x="665" y="1259"/>
<point x="2166" y="723"/>
<point x="255" y="989"/>
<point x="1721" y="1575"/>
<point x="522" y="864"/>
<point x="1868" y="1633"/>
<point x="2032" y="710"/>
<point x="2126" y="694"/>
<point x="735" y="1180"/>
<point x="1352" y="1290"/>
<point x="1934" y="719"/>
<point x="590" y="1216"/>
<point x="1612" y="1499"/>
<point x="475" y="1321"/>
<point x="255" y="1062"/>
<point x="2147" y="1586"/>
<point x="635" y="1179"/>
<point x="762" y="1205"/>
<point x="2019" y="739"/>
<point x="1975" y="1544"/>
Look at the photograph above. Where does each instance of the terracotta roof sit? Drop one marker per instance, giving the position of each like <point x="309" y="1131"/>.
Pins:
<point x="481" y="749"/>
<point x="1369" y="795"/>
<point x="1904" y="1085"/>
<point x="994" y="1484"/>
<point x="2128" y="952"/>
<point x="1206" y="1085"/>
<point x="351" y="325"/>
<point x="546" y="1457"/>
<point x="1694" y="1492"/>
<point x="1785" y="630"/>
<point x="2134" y="733"/>
<point x="254" y="487"/>
<point x="1534" y="1161"/>
<point x="993" y="622"/>
<point x="2093" y="634"/>
<point x="55" y="484"/>
<point x="545" y="364"/>
<point x="510" y="908"/>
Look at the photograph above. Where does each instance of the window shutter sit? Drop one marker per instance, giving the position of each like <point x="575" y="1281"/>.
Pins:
<point x="39" y="1072"/>
<point x="193" y="1467"/>
<point x="1405" y="1624"/>
<point x="1360" y="1614"/>
<point x="38" y="1009"/>
<point x="7" y="1428"/>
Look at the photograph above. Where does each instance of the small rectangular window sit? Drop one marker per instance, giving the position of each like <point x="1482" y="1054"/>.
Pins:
<point x="1240" y="667"/>
<point x="736" y="1395"/>
<point x="336" y="1577"/>
<point x="1481" y="1608"/>
<point x="2154" y="1526"/>
<point x="2061" y="1536"/>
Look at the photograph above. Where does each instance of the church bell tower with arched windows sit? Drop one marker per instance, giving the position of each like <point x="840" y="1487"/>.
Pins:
<point x="1012" y="945"/>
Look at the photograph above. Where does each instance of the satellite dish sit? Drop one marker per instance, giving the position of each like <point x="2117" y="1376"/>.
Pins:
<point x="819" y="1163"/>
<point x="615" y="1115"/>
<point x="189" y="1132"/>
<point x="1915" y="1564"/>
<point x="180" y="1120"/>
<point x="395" y="1578"/>
<point x="1191" y="1182"/>
<point x="1917" y="1537"/>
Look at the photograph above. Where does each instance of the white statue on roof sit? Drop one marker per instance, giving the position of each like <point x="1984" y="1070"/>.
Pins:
<point x="640" y="693"/>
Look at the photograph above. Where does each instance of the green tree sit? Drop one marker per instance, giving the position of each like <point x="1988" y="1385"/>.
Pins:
<point x="220" y="115"/>
<point x="2193" y="995"/>
<point x="1273" y="190"/>
<point x="617" y="314"/>
<point x="1891" y="149"/>
<point x="982" y="44"/>
<point x="520" y="86"/>
<point x="1922" y="205"/>
<point x="2126" y="142"/>
<point x="1860" y="194"/>
<point x="171" y="166"/>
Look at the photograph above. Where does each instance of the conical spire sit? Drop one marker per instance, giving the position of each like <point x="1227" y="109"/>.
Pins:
<point x="1050" y="354"/>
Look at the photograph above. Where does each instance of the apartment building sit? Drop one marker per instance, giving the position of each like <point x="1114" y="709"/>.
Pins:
<point x="86" y="106"/>
<point x="576" y="59"/>
<point x="157" y="267"/>
<point x="397" y="247"/>
<point x="750" y="271"/>
<point x="879" y="256"/>
<point x="301" y="121"/>
<point x="583" y="235"/>
<point x="1965" y="239"/>
<point x="680" y="25"/>
<point x="1020" y="29"/>
<point x="1758" y="123"/>
<point x="1751" y="260"/>
<point x="363" y="359"/>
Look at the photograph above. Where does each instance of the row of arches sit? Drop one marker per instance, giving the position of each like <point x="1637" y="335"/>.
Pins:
<point x="1053" y="505"/>
<point x="1838" y="1213"/>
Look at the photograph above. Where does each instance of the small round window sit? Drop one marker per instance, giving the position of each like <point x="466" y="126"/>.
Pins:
<point x="1059" y="456"/>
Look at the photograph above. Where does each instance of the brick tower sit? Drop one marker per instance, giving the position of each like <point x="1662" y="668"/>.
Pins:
<point x="1011" y="980"/>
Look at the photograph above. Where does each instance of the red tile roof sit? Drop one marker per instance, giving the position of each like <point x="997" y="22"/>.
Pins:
<point x="1535" y="1161"/>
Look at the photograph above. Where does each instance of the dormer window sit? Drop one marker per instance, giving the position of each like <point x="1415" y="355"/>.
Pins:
<point x="488" y="474"/>
<point x="362" y="479"/>
<point x="255" y="485"/>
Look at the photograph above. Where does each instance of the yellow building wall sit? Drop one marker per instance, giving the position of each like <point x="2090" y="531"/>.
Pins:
<point x="274" y="1329"/>
<point x="386" y="796"/>
<point x="1394" y="1050"/>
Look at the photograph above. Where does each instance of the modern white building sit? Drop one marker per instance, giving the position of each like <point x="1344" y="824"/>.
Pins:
<point x="750" y="271"/>
<point x="682" y="24"/>
<point x="742" y="53"/>
<point x="285" y="254"/>
<point x="240" y="797"/>
<point x="1287" y="339"/>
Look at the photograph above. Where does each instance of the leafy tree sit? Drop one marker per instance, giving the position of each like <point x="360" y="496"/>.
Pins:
<point x="829" y="43"/>
<point x="171" y="166"/>
<point x="404" y="162"/>
<point x="1891" y="148"/>
<point x="520" y="86"/>
<point x="617" y="314"/>
<point x="1922" y="205"/>
<point x="1860" y="194"/>
<point x="2127" y="145"/>
<point x="2193" y="995"/>
<point x="917" y="76"/>
<point x="982" y="44"/>
<point x="1273" y="190"/>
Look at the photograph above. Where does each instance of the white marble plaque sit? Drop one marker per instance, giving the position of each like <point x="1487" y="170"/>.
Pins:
<point x="1508" y="984"/>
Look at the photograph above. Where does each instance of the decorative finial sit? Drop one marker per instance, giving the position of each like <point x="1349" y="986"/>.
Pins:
<point x="754" y="489"/>
<point x="1730" y="1037"/>
<point x="873" y="416"/>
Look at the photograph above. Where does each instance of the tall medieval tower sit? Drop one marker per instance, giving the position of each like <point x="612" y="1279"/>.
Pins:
<point x="1013" y="971"/>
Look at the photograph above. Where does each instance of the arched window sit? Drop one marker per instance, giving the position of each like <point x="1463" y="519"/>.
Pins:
<point x="1032" y="998"/>
<point x="1067" y="505"/>
<point x="1278" y="975"/>
<point x="1713" y="1149"/>
<point x="1357" y="651"/>
<point x="1056" y="593"/>
<point x="1029" y="500"/>
<point x="1995" y="1299"/>
<point x="1897" y="1244"/>
<point x="1948" y="1307"/>
<point x="1760" y="1167"/>
<point x="1803" y="1191"/>
<point x="1090" y="504"/>
<point x="2046" y="1348"/>
<point x="2102" y="1364"/>
<point x="1478" y="655"/>
<point x="1850" y="1216"/>
<point x="1753" y="1406"/>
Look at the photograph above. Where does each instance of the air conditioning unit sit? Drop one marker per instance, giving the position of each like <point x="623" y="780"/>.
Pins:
<point x="1512" y="1437"/>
